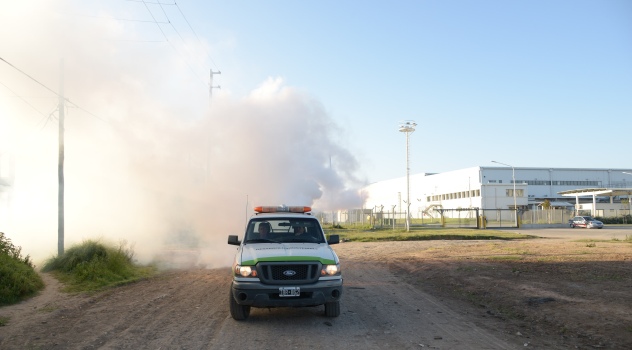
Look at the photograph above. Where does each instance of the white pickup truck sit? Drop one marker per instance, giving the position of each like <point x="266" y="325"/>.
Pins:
<point x="284" y="260"/>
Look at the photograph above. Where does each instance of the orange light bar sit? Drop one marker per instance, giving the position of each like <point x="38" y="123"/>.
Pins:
<point x="265" y="209"/>
<point x="269" y="209"/>
<point x="299" y="209"/>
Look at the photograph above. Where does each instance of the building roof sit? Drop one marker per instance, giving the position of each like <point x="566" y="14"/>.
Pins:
<point x="596" y="192"/>
<point x="558" y="204"/>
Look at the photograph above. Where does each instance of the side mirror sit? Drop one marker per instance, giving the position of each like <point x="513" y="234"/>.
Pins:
<point x="233" y="240"/>
<point x="333" y="239"/>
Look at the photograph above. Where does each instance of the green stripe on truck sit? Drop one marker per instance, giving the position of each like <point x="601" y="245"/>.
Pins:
<point x="288" y="259"/>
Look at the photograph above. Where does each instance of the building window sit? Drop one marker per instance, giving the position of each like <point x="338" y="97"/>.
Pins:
<point x="519" y="193"/>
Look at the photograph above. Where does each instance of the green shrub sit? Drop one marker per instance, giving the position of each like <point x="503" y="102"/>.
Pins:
<point x="626" y="219"/>
<point x="76" y="255"/>
<point x="18" y="278"/>
<point x="93" y="265"/>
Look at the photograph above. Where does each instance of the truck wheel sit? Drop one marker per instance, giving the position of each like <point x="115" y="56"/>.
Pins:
<point x="332" y="309"/>
<point x="238" y="312"/>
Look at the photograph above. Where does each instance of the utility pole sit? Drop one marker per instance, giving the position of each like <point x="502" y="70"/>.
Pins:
<point x="208" y="146"/>
<point x="60" y="167"/>
<point x="211" y="87"/>
<point x="408" y="127"/>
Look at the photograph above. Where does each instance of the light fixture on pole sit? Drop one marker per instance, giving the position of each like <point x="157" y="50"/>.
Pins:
<point x="629" y="199"/>
<point x="408" y="127"/>
<point x="513" y="179"/>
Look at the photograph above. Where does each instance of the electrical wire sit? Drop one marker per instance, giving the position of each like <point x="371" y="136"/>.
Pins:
<point x="30" y="77"/>
<point x="23" y="99"/>
<point x="86" y="111"/>
<point x="47" y="119"/>
<point x="51" y="90"/>
<point x="111" y="18"/>
<point x="170" y="43"/>
<point x="151" y="2"/>
<point x="176" y="30"/>
<point x="194" y="33"/>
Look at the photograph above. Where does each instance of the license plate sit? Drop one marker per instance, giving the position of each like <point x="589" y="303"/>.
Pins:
<point x="289" y="291"/>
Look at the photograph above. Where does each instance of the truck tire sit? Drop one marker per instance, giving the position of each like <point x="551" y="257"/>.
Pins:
<point x="332" y="309"/>
<point x="238" y="312"/>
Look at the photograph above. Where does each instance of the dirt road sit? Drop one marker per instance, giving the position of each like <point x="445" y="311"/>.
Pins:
<point x="403" y="295"/>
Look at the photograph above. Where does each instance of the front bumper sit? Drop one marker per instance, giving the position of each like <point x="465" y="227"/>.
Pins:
<point x="256" y="294"/>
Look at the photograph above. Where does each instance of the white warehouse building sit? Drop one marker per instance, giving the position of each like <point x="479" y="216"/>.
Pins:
<point x="492" y="188"/>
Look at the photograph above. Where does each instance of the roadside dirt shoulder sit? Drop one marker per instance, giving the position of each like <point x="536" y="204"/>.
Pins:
<point x="551" y="293"/>
<point x="536" y="294"/>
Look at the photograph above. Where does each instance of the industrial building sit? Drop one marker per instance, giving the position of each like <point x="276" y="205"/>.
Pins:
<point x="601" y="192"/>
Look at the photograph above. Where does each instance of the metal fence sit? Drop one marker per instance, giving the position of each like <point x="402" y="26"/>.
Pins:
<point x="550" y="216"/>
<point x="456" y="218"/>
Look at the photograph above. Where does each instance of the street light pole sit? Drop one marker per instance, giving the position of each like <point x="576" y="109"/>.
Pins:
<point x="629" y="199"/>
<point x="513" y="179"/>
<point x="408" y="127"/>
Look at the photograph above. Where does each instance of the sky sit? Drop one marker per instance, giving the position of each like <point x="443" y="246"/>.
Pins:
<point x="306" y="109"/>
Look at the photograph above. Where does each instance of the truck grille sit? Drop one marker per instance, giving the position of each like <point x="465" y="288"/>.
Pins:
<point x="284" y="273"/>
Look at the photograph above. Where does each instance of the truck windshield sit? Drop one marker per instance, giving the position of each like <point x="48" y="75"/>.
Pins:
<point x="284" y="230"/>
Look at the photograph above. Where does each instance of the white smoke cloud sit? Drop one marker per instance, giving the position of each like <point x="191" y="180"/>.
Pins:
<point x="146" y="160"/>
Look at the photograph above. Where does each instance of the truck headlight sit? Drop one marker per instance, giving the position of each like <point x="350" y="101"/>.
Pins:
<point x="245" y="271"/>
<point x="330" y="270"/>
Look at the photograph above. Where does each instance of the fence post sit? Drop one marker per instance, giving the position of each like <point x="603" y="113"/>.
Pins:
<point x="478" y="219"/>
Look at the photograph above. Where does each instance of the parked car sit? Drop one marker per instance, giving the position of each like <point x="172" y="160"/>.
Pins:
<point x="585" y="221"/>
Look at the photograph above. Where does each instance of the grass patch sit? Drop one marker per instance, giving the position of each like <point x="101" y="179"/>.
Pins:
<point x="93" y="265"/>
<point x="419" y="234"/>
<point x="628" y="239"/>
<point x="18" y="278"/>
<point x="4" y="321"/>
<point x="610" y="277"/>
<point x="506" y="257"/>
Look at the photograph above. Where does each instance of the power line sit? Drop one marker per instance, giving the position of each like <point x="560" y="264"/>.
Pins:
<point x="155" y="21"/>
<point x="151" y="2"/>
<point x="194" y="33"/>
<point x="170" y="43"/>
<point x="112" y="18"/>
<point x="172" y="26"/>
<point x="137" y="41"/>
<point x="51" y="90"/>
<point x="177" y="32"/>
<point x="86" y="111"/>
<point x="44" y="120"/>
<point x="23" y="99"/>
<point x="46" y="117"/>
<point x="30" y="77"/>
